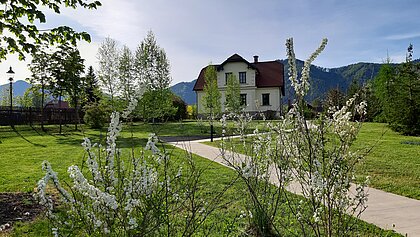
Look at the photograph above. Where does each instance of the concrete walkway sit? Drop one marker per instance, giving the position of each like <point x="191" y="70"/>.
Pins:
<point x="386" y="210"/>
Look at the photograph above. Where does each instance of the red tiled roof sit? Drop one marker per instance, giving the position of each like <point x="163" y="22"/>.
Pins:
<point x="268" y="74"/>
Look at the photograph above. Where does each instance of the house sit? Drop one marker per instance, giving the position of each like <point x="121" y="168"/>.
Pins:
<point x="261" y="83"/>
<point x="56" y="104"/>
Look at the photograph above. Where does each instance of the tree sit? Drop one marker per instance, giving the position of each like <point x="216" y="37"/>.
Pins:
<point x="152" y="71"/>
<point x="21" y="35"/>
<point x="92" y="90"/>
<point x="108" y="57"/>
<point x="211" y="98"/>
<point x="67" y="68"/>
<point x="334" y="98"/>
<point x="233" y="95"/>
<point x="126" y="74"/>
<point x="398" y="89"/>
<point x="41" y="76"/>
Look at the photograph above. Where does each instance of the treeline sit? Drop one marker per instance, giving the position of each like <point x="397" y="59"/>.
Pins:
<point x="122" y="76"/>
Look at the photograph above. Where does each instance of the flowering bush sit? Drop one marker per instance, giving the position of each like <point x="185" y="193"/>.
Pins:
<point x="148" y="194"/>
<point x="312" y="158"/>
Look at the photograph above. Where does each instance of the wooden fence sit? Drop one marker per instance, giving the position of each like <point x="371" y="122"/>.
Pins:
<point x="29" y="116"/>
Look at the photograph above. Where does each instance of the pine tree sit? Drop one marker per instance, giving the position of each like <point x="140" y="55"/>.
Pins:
<point x="398" y="89"/>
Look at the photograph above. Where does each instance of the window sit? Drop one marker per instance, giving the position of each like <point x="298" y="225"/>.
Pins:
<point x="227" y="75"/>
<point x="243" y="99"/>
<point x="242" y="77"/>
<point x="266" y="99"/>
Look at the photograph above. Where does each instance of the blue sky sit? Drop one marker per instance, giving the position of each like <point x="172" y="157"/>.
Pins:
<point x="195" y="33"/>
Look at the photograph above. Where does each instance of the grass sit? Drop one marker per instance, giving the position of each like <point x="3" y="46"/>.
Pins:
<point x="393" y="163"/>
<point x="24" y="149"/>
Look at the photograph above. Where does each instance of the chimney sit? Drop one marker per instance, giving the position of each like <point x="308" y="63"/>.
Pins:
<point x="256" y="59"/>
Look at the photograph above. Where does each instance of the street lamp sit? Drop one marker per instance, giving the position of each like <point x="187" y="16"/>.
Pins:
<point x="11" y="74"/>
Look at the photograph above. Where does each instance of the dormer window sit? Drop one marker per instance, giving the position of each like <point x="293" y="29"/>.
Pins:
<point x="242" y="77"/>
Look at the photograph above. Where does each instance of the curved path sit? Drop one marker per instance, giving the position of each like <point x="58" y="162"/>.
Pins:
<point x="386" y="210"/>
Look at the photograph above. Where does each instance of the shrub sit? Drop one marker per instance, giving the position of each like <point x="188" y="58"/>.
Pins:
<point x="96" y="115"/>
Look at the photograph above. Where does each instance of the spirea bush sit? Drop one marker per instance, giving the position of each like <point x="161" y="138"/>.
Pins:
<point x="146" y="194"/>
<point x="309" y="157"/>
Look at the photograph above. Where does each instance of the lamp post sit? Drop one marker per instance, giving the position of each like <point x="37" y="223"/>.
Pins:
<point x="11" y="74"/>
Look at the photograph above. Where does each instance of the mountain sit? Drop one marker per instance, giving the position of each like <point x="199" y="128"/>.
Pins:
<point x="185" y="91"/>
<point x="324" y="79"/>
<point x="19" y="87"/>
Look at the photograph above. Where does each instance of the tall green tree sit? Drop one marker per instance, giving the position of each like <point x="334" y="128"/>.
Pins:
<point x="19" y="21"/>
<point x="126" y="74"/>
<point x="92" y="91"/>
<point x="67" y="69"/>
<point x="152" y="70"/>
<point x="233" y="95"/>
<point x="398" y="89"/>
<point x="212" y="95"/>
<point x="41" y="76"/>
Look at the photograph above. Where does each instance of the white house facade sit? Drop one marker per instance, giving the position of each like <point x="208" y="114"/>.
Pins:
<point x="261" y="83"/>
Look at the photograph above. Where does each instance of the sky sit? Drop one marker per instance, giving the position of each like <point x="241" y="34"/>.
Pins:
<point x="195" y="33"/>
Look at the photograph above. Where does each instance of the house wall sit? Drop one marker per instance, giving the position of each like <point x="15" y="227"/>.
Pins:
<point x="275" y="98"/>
<point x="235" y="68"/>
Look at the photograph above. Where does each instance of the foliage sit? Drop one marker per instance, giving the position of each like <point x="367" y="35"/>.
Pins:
<point x="398" y="89"/>
<point x="153" y="71"/>
<point x="180" y="106"/>
<point x="144" y="195"/>
<point x="108" y="57"/>
<point x="334" y="98"/>
<point x="20" y="33"/>
<point x="41" y="75"/>
<point x="67" y="67"/>
<point x="92" y="91"/>
<point x="233" y="95"/>
<point x="313" y="157"/>
<point x="212" y="95"/>
<point x="126" y="74"/>
<point x="96" y="114"/>
<point x="156" y="105"/>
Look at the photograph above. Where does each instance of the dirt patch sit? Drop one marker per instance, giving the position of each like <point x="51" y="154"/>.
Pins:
<point x="17" y="207"/>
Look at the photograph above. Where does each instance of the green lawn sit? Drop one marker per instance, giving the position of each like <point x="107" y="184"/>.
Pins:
<point x="23" y="150"/>
<point x="393" y="163"/>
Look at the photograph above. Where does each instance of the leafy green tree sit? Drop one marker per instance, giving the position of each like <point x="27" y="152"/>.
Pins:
<point x="212" y="95"/>
<point x="126" y="74"/>
<point x="233" y="95"/>
<point x="399" y="92"/>
<point x="152" y="70"/>
<point x="382" y="87"/>
<point x="19" y="20"/>
<point x="41" y="76"/>
<point x="67" y="68"/>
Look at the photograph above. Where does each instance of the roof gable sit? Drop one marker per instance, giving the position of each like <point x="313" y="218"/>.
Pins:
<point x="234" y="59"/>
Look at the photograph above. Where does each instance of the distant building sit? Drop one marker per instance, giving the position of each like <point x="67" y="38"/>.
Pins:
<point x="55" y="104"/>
<point x="261" y="83"/>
